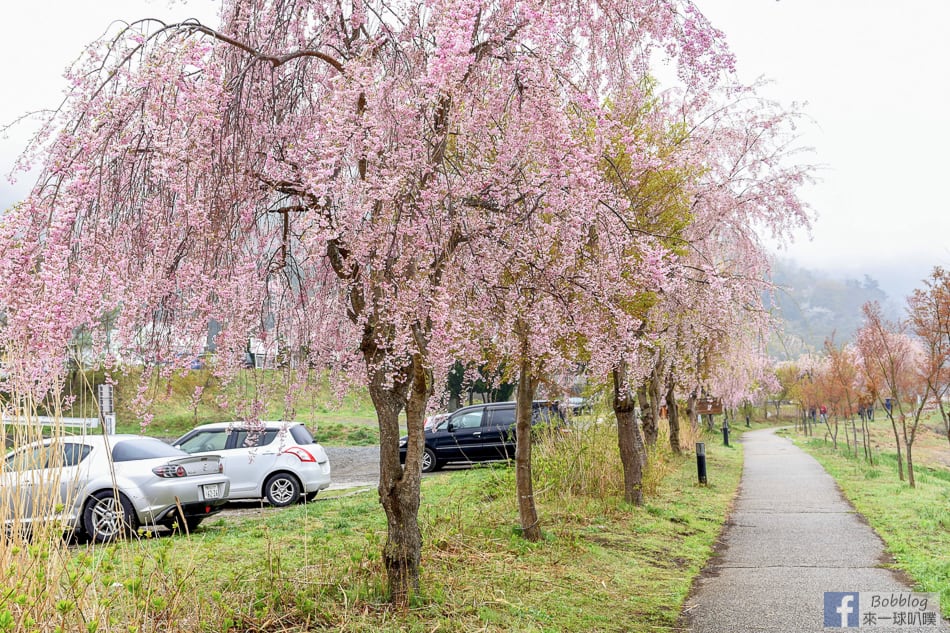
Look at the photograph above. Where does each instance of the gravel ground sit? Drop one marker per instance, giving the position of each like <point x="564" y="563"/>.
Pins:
<point x="353" y="466"/>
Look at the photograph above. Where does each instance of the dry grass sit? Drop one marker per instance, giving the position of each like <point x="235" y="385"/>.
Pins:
<point x="931" y="447"/>
<point x="52" y="580"/>
<point x="585" y="461"/>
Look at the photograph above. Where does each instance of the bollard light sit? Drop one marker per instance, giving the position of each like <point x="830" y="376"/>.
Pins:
<point x="701" y="462"/>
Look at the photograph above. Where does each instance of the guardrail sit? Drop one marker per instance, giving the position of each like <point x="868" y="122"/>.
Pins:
<point x="42" y="420"/>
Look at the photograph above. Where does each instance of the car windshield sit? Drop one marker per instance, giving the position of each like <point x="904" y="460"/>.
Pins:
<point x="214" y="440"/>
<point x="143" y="448"/>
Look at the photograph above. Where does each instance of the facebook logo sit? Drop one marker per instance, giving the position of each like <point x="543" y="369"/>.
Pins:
<point x="841" y="609"/>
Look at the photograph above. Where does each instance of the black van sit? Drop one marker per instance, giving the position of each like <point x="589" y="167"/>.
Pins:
<point x="481" y="432"/>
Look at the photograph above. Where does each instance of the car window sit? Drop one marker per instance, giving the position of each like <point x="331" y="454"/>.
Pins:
<point x="250" y="439"/>
<point x="212" y="440"/>
<point x="470" y="420"/>
<point x="301" y="434"/>
<point x="143" y="448"/>
<point x="75" y="453"/>
<point x="31" y="458"/>
<point x="503" y="417"/>
<point x="435" y="420"/>
<point x="63" y="455"/>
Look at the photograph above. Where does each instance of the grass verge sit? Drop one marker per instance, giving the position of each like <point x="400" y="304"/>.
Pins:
<point x="913" y="522"/>
<point x="601" y="566"/>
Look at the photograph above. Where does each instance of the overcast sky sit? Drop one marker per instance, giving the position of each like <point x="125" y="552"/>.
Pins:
<point x="872" y="75"/>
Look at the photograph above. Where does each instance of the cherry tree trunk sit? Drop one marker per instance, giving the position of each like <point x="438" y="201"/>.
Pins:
<point x="649" y="412"/>
<point x="656" y="401"/>
<point x="398" y="486"/>
<point x="633" y="454"/>
<point x="833" y="433"/>
<point x="945" y="417"/>
<point x="673" y="415"/>
<point x="897" y="443"/>
<point x="691" y="411"/>
<point x="524" y="485"/>
<point x="910" y="461"/>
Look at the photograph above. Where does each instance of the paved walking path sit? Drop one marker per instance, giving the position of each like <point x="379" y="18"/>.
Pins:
<point x="791" y="537"/>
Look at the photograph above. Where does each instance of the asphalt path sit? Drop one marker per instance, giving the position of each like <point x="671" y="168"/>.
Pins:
<point x="791" y="538"/>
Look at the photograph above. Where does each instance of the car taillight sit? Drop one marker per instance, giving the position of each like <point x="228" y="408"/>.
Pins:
<point x="301" y="453"/>
<point x="170" y="470"/>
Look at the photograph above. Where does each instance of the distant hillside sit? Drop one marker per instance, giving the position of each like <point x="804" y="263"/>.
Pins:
<point x="814" y="306"/>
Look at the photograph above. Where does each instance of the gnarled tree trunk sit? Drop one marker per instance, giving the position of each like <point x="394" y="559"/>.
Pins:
<point x="673" y="416"/>
<point x="633" y="454"/>
<point x="399" y="487"/>
<point x="647" y="394"/>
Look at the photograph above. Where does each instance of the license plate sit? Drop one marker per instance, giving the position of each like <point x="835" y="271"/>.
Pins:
<point x="211" y="491"/>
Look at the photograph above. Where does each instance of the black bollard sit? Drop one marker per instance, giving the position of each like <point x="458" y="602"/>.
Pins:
<point x="725" y="433"/>
<point x="701" y="462"/>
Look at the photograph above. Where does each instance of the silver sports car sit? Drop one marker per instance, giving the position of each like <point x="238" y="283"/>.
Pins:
<point x="279" y="461"/>
<point x="108" y="486"/>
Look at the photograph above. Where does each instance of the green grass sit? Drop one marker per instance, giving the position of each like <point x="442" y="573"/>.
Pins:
<point x="601" y="566"/>
<point x="913" y="522"/>
<point x="350" y="420"/>
<point x="337" y="434"/>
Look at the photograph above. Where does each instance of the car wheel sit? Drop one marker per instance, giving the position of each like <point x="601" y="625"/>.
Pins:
<point x="108" y="515"/>
<point x="282" y="490"/>
<point x="429" y="462"/>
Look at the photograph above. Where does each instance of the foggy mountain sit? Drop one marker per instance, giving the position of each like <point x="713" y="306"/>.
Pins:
<point x="814" y="306"/>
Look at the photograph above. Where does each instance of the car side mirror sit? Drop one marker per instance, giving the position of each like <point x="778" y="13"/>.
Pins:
<point x="450" y="427"/>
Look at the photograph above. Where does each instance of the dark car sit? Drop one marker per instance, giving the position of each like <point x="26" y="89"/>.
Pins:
<point x="482" y="432"/>
<point x="578" y="405"/>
